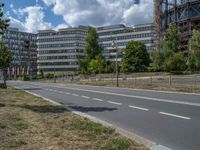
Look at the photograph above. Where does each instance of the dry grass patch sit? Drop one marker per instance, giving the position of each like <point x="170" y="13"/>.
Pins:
<point x="30" y="123"/>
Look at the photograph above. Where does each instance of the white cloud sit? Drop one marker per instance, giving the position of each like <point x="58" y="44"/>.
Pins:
<point x="102" y="12"/>
<point x="34" y="19"/>
<point x="61" y="26"/>
<point x="17" y="24"/>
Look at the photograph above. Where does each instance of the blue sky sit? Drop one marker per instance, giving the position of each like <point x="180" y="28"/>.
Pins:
<point x="34" y="15"/>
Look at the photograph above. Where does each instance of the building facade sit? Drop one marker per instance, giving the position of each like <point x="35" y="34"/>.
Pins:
<point x="24" y="49"/>
<point x="59" y="51"/>
<point x="121" y="35"/>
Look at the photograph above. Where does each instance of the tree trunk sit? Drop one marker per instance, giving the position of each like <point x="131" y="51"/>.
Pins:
<point x="4" y="79"/>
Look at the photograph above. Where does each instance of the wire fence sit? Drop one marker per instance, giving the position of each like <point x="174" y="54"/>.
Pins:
<point x="175" y="79"/>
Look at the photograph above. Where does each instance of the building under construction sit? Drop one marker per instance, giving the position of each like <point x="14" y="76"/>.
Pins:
<point x="185" y="13"/>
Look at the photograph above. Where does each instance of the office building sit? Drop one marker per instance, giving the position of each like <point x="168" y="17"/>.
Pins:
<point x="59" y="51"/>
<point x="121" y="35"/>
<point x="24" y="49"/>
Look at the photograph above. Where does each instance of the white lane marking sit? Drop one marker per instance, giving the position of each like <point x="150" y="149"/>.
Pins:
<point x="97" y="99"/>
<point x="159" y="147"/>
<point x="85" y="97"/>
<point x="140" y="108"/>
<point x="173" y="115"/>
<point x="111" y="102"/>
<point x="134" y="96"/>
<point x="75" y="94"/>
<point x="67" y="93"/>
<point x="61" y="92"/>
<point x="55" y="90"/>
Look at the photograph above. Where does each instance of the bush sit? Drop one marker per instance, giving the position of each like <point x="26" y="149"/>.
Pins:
<point x="26" y="78"/>
<point x="50" y="76"/>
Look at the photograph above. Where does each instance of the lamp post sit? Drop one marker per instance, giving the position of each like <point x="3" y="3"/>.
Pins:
<point x="114" y="45"/>
<point x="54" y="72"/>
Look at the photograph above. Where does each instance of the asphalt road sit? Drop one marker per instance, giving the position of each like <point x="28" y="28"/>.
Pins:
<point x="170" y="119"/>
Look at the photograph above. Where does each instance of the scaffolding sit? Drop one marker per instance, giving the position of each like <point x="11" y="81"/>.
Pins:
<point x="185" y="13"/>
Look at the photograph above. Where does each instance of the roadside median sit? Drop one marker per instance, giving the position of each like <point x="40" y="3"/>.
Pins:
<point x="29" y="122"/>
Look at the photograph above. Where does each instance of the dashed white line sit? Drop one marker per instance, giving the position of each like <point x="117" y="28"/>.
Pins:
<point x="97" y="99"/>
<point x="134" y="96"/>
<point x="67" y="93"/>
<point x="173" y="115"/>
<point x="85" y="97"/>
<point x="140" y="108"/>
<point x="61" y="92"/>
<point x="75" y="94"/>
<point x="111" y="102"/>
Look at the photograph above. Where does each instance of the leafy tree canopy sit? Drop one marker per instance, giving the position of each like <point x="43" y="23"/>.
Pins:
<point x="4" y="23"/>
<point x="92" y="48"/>
<point x="171" y="41"/>
<point x="194" y="51"/>
<point x="135" y="58"/>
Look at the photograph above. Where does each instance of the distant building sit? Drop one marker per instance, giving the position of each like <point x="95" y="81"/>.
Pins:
<point x="23" y="46"/>
<point x="121" y="35"/>
<point x="60" y="50"/>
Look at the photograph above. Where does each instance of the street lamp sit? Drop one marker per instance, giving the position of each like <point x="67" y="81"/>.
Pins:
<point x="54" y="71"/>
<point x="114" y="45"/>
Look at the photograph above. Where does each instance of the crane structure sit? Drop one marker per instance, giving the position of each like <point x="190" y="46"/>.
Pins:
<point x="185" y="13"/>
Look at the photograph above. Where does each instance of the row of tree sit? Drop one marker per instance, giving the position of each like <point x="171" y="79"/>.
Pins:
<point x="137" y="59"/>
<point x="172" y="58"/>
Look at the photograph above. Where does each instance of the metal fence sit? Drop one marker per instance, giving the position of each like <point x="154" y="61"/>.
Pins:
<point x="189" y="80"/>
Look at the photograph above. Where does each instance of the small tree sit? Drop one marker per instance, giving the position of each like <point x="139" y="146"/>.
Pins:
<point x="92" y="54"/>
<point x="92" y="48"/>
<point x="97" y="65"/>
<point x="5" y="54"/>
<point x="173" y="57"/>
<point x="94" y="66"/>
<point x="5" y="59"/>
<point x="109" y="67"/>
<point x="175" y="62"/>
<point x="136" y="57"/>
<point x="194" y="51"/>
<point x="83" y="66"/>
<point x="158" y="59"/>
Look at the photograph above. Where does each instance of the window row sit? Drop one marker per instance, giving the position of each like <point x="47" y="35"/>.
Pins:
<point x="138" y="29"/>
<point x="62" y="45"/>
<point x="127" y="37"/>
<point x="59" y="57"/>
<point x="58" y="63"/>
<point x="63" y="33"/>
<point x="58" y="69"/>
<point x="60" y="51"/>
<point x="126" y="43"/>
<point x="62" y="39"/>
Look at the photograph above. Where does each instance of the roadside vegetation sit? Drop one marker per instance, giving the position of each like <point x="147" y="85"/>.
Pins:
<point x="5" y="53"/>
<point x="28" y="123"/>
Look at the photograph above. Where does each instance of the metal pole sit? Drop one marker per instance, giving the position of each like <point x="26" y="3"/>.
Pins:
<point x="54" y="72"/>
<point x="116" y="63"/>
